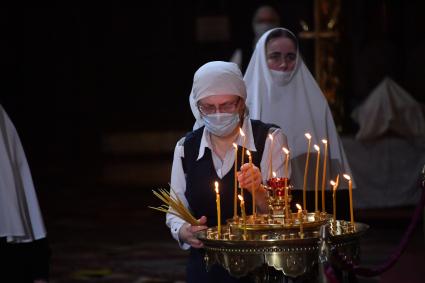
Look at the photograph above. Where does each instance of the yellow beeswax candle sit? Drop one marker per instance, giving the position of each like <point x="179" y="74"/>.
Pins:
<point x="316" y="182"/>
<point x="254" y="209"/>
<point x="243" y="216"/>
<point x="235" y="193"/>
<point x="308" y="136"/>
<point x="286" y="151"/>
<point x="350" y="191"/>
<point x="217" y="200"/>
<point x="300" y="219"/>
<point x="325" y="142"/>
<point x="271" y="156"/>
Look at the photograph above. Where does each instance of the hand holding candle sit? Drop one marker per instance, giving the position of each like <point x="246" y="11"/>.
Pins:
<point x="325" y="142"/>
<point x="308" y="136"/>
<point x="350" y="191"/>
<point x="316" y="183"/>
<point x="217" y="200"/>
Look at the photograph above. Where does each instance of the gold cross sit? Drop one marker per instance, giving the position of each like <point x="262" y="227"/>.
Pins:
<point x="318" y="35"/>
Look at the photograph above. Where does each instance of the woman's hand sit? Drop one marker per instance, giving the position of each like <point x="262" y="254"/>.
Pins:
<point x="249" y="177"/>
<point x="187" y="233"/>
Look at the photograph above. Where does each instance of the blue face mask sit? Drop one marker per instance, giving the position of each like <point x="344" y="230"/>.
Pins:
<point x="221" y="124"/>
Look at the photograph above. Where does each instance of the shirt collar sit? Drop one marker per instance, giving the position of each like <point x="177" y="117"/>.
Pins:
<point x="249" y="139"/>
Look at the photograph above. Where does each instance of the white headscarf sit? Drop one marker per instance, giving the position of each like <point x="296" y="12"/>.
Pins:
<point x="215" y="78"/>
<point x="20" y="216"/>
<point x="297" y="107"/>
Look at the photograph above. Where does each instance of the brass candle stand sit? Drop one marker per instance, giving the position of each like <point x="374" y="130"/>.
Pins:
<point x="288" y="243"/>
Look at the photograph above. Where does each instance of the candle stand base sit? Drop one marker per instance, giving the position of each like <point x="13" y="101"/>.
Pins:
<point x="270" y="252"/>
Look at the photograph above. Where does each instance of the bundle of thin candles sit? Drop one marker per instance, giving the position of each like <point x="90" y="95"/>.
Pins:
<point x="173" y="206"/>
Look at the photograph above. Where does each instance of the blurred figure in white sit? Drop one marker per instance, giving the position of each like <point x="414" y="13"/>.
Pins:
<point x="24" y="251"/>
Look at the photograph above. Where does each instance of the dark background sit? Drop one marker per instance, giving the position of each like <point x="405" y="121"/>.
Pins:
<point x="73" y="71"/>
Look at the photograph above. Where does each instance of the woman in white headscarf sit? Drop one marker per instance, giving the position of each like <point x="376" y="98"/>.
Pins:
<point x="207" y="154"/>
<point x="282" y="91"/>
<point x="24" y="252"/>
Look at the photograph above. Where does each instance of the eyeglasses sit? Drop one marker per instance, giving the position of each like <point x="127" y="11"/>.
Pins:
<point x="228" y="107"/>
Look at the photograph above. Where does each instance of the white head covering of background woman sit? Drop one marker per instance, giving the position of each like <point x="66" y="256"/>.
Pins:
<point x="297" y="107"/>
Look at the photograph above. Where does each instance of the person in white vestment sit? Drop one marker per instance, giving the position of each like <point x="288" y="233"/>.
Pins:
<point x="282" y="91"/>
<point x="24" y="251"/>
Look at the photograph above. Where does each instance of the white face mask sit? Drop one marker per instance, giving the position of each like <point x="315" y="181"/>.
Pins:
<point x="261" y="28"/>
<point x="221" y="124"/>
<point x="281" y="78"/>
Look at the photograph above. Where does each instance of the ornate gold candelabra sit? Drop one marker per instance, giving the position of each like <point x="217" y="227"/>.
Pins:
<point x="288" y="243"/>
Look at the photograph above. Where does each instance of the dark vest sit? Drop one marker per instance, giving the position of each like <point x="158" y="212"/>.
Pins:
<point x="201" y="175"/>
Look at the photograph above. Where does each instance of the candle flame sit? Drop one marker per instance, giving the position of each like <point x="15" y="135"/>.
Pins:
<point x="240" y="197"/>
<point x="299" y="206"/>
<point x="274" y="174"/>
<point x="216" y="186"/>
<point x="241" y="132"/>
<point x="235" y="146"/>
<point x="248" y="153"/>
<point x="324" y="141"/>
<point x="337" y="179"/>
<point x="271" y="137"/>
<point x="307" y="135"/>
<point x="316" y="147"/>
<point x="332" y="183"/>
<point x="346" y="176"/>
<point x="285" y="150"/>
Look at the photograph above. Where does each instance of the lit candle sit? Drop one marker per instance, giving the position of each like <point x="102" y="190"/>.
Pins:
<point x="325" y="142"/>
<point x="287" y="216"/>
<point x="334" y="187"/>
<point x="254" y="209"/>
<point x="243" y="150"/>
<point x="300" y="219"/>
<point x="350" y="191"/>
<point x="308" y="136"/>
<point x="243" y="216"/>
<point x="217" y="200"/>
<point x="243" y="145"/>
<point x="286" y="151"/>
<point x="271" y="155"/>
<point x="316" y="183"/>
<point x="235" y="193"/>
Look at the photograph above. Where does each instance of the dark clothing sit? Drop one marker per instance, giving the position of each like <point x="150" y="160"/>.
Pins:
<point x="246" y="57"/>
<point x="342" y="202"/>
<point x="200" y="177"/>
<point x="24" y="262"/>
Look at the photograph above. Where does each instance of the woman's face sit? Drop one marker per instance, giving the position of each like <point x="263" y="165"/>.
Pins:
<point x="281" y="54"/>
